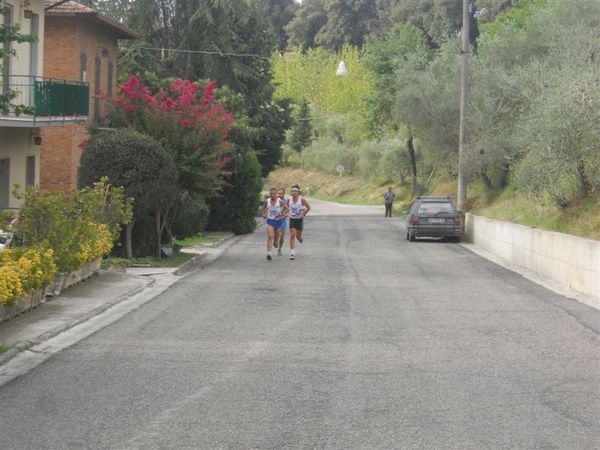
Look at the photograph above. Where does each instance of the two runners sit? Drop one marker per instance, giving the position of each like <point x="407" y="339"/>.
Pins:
<point x="275" y="211"/>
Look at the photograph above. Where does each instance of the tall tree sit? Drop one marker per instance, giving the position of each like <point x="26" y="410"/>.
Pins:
<point x="402" y="49"/>
<point x="280" y="12"/>
<point x="302" y="133"/>
<point x="334" y="23"/>
<point x="306" y="24"/>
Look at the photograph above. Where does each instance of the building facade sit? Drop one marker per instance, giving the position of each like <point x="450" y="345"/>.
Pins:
<point x="22" y="73"/>
<point x="81" y="44"/>
<point x="58" y="77"/>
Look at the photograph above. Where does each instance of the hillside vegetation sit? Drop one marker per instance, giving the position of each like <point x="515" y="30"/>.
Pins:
<point x="534" y="116"/>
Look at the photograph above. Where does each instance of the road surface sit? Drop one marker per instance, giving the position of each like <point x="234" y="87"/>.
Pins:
<point x="364" y="341"/>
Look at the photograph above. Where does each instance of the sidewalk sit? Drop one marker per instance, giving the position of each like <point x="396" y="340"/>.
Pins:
<point x="95" y="296"/>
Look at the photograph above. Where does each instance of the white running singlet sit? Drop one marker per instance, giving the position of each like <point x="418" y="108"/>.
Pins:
<point x="297" y="208"/>
<point x="274" y="210"/>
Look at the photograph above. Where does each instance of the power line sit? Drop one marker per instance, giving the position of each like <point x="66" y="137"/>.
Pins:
<point x="205" y="52"/>
<point x="327" y="117"/>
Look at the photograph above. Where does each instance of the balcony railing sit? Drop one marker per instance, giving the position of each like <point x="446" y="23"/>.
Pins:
<point x="48" y="100"/>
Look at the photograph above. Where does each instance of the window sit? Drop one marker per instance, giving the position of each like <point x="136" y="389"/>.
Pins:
<point x="109" y="87"/>
<point x="30" y="171"/>
<point x="4" y="182"/>
<point x="435" y="208"/>
<point x="97" y="75"/>
<point x="35" y="31"/>
<point x="83" y="67"/>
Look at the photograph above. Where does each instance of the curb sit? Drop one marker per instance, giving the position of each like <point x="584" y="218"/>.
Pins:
<point x="189" y="265"/>
<point x="219" y="242"/>
<point x="196" y="261"/>
<point x="26" y="345"/>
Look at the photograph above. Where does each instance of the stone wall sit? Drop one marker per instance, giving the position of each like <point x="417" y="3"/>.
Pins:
<point x="569" y="260"/>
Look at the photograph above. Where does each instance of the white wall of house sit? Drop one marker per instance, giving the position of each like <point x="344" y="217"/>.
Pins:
<point x="27" y="58"/>
<point x="16" y="145"/>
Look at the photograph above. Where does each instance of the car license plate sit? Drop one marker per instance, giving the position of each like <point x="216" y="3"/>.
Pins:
<point x="437" y="220"/>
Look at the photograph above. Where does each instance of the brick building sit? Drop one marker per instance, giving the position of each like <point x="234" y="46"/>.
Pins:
<point x="49" y="102"/>
<point x="81" y="44"/>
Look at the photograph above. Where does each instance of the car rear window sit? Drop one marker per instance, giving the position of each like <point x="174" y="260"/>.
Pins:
<point x="435" y="208"/>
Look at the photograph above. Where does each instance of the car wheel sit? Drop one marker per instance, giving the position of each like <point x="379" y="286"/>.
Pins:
<point x="411" y="237"/>
<point x="407" y="235"/>
<point x="456" y="239"/>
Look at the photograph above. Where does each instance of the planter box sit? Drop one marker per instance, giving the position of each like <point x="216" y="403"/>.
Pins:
<point x="62" y="282"/>
<point x="22" y="304"/>
<point x="89" y="269"/>
<point x="55" y="288"/>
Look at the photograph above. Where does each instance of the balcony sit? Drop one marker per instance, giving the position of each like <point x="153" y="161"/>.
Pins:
<point x="50" y="101"/>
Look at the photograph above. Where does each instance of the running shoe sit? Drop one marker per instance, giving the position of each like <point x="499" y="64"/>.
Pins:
<point x="275" y="244"/>
<point x="269" y="258"/>
<point x="279" y="252"/>
<point x="292" y="257"/>
<point x="300" y="240"/>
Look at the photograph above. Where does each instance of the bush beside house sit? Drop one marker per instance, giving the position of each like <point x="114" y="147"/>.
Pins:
<point x="60" y="233"/>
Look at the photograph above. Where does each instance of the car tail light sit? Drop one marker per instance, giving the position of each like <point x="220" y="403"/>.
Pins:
<point x="414" y="221"/>
<point x="457" y="220"/>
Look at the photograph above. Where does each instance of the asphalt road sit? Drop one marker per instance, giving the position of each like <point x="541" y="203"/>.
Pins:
<point x="364" y="341"/>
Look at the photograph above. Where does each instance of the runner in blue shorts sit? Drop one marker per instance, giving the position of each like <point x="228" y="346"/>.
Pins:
<point x="283" y="229"/>
<point x="274" y="211"/>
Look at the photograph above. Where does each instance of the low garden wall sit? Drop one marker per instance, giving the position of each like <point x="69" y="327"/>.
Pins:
<point x="30" y="300"/>
<point x="569" y="260"/>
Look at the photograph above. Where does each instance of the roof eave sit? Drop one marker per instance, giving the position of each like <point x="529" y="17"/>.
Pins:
<point x="120" y="30"/>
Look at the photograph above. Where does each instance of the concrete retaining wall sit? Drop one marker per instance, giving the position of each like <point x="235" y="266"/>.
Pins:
<point x="569" y="260"/>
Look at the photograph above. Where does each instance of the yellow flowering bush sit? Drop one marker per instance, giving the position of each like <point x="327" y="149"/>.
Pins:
<point x="23" y="271"/>
<point x="99" y="243"/>
<point x="80" y="226"/>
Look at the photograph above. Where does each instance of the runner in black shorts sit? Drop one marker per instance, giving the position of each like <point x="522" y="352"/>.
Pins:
<point x="298" y="208"/>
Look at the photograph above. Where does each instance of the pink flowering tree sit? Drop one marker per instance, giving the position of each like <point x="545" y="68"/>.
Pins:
<point x="191" y="126"/>
<point x="188" y="121"/>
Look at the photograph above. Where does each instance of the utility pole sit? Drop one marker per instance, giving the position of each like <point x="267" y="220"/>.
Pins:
<point x="464" y="88"/>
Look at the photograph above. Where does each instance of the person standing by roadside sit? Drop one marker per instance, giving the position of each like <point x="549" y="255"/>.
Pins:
<point x="388" y="199"/>
<point x="279" y="240"/>
<point x="274" y="211"/>
<point x="298" y="208"/>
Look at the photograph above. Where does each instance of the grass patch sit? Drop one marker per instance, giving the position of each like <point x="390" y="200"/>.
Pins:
<point x="173" y="261"/>
<point x="4" y="348"/>
<point x="207" y="237"/>
<point x="580" y="219"/>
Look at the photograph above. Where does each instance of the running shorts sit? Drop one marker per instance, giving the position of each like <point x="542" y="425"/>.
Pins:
<point x="298" y="224"/>
<point x="275" y="223"/>
<point x="284" y="224"/>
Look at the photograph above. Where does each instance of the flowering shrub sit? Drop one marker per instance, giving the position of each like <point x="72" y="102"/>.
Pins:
<point x="187" y="121"/>
<point x="98" y="243"/>
<point x="23" y="271"/>
<point x="78" y="228"/>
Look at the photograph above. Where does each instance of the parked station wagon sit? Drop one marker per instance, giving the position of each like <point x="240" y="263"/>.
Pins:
<point x="433" y="217"/>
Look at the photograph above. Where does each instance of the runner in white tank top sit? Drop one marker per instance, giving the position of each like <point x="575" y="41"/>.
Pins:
<point x="274" y="211"/>
<point x="299" y="208"/>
